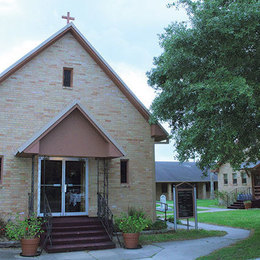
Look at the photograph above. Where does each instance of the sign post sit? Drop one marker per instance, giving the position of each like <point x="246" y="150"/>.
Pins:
<point x="195" y="206"/>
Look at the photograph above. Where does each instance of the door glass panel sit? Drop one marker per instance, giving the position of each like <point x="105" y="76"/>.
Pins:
<point x="75" y="186"/>
<point x="51" y="179"/>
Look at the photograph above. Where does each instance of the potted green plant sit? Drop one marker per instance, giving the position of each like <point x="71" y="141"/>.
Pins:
<point x="28" y="231"/>
<point x="247" y="204"/>
<point x="131" y="226"/>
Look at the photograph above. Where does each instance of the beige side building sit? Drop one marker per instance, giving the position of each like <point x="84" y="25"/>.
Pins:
<point x="70" y="131"/>
<point x="244" y="181"/>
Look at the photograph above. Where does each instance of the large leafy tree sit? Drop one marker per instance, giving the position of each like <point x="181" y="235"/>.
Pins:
<point x="207" y="82"/>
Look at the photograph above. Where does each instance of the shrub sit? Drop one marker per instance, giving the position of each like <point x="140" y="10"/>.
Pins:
<point x="116" y="225"/>
<point x="149" y="225"/>
<point x="24" y="228"/>
<point x="132" y="224"/>
<point x="2" y="227"/>
<point x="226" y="197"/>
<point x="171" y="219"/>
<point x="136" y="212"/>
<point x="159" y="224"/>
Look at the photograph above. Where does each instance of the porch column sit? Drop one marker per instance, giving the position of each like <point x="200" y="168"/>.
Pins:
<point x="212" y="195"/>
<point x="204" y="192"/>
<point x="169" y="190"/>
<point x="31" y="199"/>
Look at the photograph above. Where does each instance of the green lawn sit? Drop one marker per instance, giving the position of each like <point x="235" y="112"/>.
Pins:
<point x="209" y="203"/>
<point x="247" y="219"/>
<point x="170" y="212"/>
<point x="200" y="203"/>
<point x="181" y="234"/>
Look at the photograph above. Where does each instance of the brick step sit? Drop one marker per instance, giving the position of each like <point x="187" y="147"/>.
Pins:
<point x="74" y="219"/>
<point x="80" y="247"/>
<point x="235" y="207"/>
<point x="77" y="233"/>
<point x="238" y="204"/>
<point x="72" y="234"/>
<point x="80" y="240"/>
<point x="76" y="228"/>
<point x="76" y="223"/>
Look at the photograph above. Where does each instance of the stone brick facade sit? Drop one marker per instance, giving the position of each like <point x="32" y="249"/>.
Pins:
<point x="230" y="186"/>
<point x="34" y="94"/>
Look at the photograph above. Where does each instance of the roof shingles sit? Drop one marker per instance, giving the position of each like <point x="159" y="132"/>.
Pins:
<point x="180" y="172"/>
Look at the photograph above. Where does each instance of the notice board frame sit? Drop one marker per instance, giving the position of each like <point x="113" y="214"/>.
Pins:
<point x="191" y="189"/>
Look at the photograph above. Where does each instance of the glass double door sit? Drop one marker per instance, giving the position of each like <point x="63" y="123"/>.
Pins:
<point x="64" y="182"/>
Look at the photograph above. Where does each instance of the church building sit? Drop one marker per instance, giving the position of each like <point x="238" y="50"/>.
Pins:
<point x="72" y="134"/>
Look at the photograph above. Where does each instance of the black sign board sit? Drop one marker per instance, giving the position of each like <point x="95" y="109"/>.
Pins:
<point x="185" y="202"/>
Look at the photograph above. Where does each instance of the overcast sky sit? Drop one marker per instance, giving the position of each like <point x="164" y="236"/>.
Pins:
<point x="124" y="32"/>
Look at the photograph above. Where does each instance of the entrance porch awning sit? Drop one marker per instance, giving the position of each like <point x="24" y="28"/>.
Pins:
<point x="75" y="133"/>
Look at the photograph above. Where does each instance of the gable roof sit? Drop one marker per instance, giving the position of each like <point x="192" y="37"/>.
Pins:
<point x="250" y="165"/>
<point x="180" y="172"/>
<point x="85" y="140"/>
<point x="70" y="27"/>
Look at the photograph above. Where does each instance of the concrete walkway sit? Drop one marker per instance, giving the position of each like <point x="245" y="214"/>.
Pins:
<point x="177" y="250"/>
<point x="207" y="209"/>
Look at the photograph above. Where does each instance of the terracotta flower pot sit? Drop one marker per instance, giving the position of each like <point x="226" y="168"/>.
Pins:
<point x="29" y="246"/>
<point x="248" y="205"/>
<point x="131" y="239"/>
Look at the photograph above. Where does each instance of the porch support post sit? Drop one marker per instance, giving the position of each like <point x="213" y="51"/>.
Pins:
<point x="169" y="189"/>
<point x="204" y="192"/>
<point x="31" y="204"/>
<point x="212" y="196"/>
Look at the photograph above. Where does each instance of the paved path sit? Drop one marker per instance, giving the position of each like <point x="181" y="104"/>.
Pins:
<point x="207" y="209"/>
<point x="177" y="250"/>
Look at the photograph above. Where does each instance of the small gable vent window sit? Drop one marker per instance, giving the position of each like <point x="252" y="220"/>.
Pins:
<point x="67" y="77"/>
<point x="124" y="171"/>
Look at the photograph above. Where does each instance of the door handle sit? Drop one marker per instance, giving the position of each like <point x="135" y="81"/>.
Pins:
<point x="65" y="188"/>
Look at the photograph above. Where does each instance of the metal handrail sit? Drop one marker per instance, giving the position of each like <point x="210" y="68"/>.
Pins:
<point x="47" y="216"/>
<point x="165" y="208"/>
<point x="233" y="195"/>
<point x="106" y="217"/>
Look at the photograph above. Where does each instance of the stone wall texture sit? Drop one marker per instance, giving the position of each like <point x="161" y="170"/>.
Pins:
<point x="227" y="169"/>
<point x="34" y="94"/>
